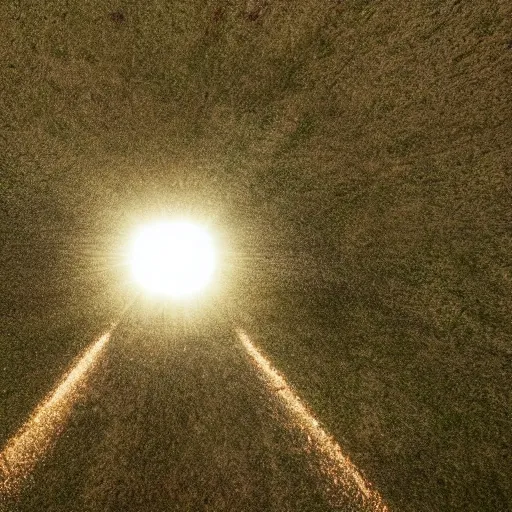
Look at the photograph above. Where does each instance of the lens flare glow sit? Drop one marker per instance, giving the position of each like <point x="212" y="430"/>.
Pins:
<point x="23" y="451"/>
<point x="345" y="482"/>
<point x="175" y="259"/>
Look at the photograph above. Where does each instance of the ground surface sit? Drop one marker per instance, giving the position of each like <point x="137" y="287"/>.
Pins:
<point x="177" y="419"/>
<point x="354" y="159"/>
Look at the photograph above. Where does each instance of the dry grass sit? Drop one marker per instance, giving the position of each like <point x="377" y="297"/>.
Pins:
<point x="358" y="153"/>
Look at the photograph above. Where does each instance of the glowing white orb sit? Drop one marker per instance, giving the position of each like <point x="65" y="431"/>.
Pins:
<point x="176" y="259"/>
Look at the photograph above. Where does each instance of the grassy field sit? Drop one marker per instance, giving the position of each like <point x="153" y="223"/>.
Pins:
<point x="354" y="155"/>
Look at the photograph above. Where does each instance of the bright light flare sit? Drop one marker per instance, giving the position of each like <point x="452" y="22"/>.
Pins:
<point x="175" y="259"/>
<point x="22" y="452"/>
<point x="344" y="477"/>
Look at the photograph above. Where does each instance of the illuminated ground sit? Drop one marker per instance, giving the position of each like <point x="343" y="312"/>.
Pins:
<point x="354" y="157"/>
<point x="178" y="419"/>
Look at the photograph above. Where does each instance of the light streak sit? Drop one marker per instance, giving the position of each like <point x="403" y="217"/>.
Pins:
<point x="345" y="480"/>
<point x="23" y="451"/>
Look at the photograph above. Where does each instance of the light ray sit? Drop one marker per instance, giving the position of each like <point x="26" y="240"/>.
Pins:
<point x="29" y="445"/>
<point x="344" y="478"/>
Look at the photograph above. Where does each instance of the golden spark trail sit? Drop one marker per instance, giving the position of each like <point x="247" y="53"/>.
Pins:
<point x="38" y="434"/>
<point x="345" y="479"/>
